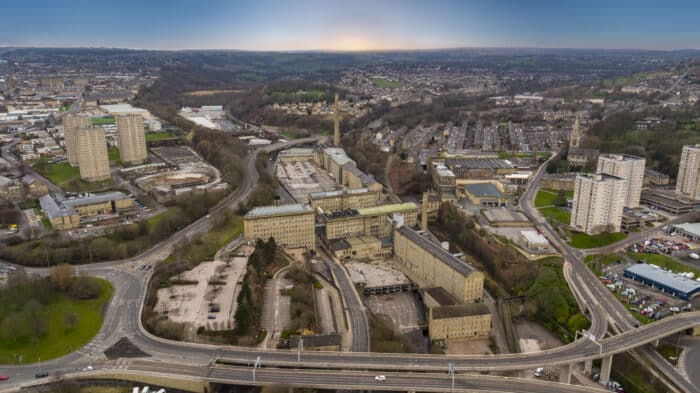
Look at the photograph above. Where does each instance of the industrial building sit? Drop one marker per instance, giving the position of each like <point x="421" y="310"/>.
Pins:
<point x="672" y="283"/>
<point x="374" y="221"/>
<point x="356" y="198"/>
<point x="70" y="213"/>
<point x="92" y="153"/>
<point x="669" y="201"/>
<point x="71" y="124"/>
<point x="627" y="167"/>
<point x="132" y="140"/>
<point x="435" y="266"/>
<point x="687" y="181"/>
<point x="534" y="241"/>
<point x="290" y="225"/>
<point x="485" y="194"/>
<point x="449" y="319"/>
<point x="353" y="177"/>
<point x="360" y="248"/>
<point x="597" y="204"/>
<point x="296" y="154"/>
<point x="690" y="230"/>
<point x="332" y="159"/>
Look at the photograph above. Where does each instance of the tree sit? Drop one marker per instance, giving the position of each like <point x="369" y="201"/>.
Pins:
<point x="560" y="199"/>
<point x="62" y="276"/>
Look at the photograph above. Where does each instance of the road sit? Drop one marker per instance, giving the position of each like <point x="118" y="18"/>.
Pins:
<point x="123" y="320"/>
<point x="600" y="302"/>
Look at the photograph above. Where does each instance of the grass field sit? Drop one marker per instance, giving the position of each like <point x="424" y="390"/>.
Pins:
<point x="386" y="83"/>
<point x="548" y="197"/>
<point x="102" y="120"/>
<point x="156" y="136"/>
<point x="60" y="341"/>
<point x="59" y="173"/>
<point x="665" y="262"/>
<point x="556" y="214"/>
<point x="582" y="240"/>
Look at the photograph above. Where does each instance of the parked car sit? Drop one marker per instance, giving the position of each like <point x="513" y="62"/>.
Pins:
<point x="4" y="377"/>
<point x="41" y="375"/>
<point x="539" y="371"/>
<point x="380" y="378"/>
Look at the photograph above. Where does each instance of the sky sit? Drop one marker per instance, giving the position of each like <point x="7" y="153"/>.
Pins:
<point x="298" y="25"/>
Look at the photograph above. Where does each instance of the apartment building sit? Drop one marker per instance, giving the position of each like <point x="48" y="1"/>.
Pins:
<point x="71" y="124"/>
<point x="628" y="167"/>
<point x="290" y="225"/>
<point x="92" y="153"/>
<point x="687" y="182"/>
<point x="132" y="140"/>
<point x="597" y="204"/>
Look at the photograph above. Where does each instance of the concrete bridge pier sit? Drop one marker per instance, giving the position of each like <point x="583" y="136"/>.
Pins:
<point x="605" y="368"/>
<point x="565" y="373"/>
<point x="588" y="367"/>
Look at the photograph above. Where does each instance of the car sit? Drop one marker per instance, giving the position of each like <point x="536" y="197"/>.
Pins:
<point x="4" y="377"/>
<point x="88" y="368"/>
<point x="539" y="371"/>
<point x="380" y="378"/>
<point x="211" y="317"/>
<point x="41" y="375"/>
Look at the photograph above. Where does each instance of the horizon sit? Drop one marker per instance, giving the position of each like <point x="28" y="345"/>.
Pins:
<point x="363" y="26"/>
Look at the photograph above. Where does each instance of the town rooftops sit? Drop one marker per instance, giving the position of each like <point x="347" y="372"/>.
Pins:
<point x="386" y="209"/>
<point x="281" y="210"/>
<point x="483" y="190"/>
<point x="663" y="277"/>
<point x="433" y="248"/>
<point x="460" y="310"/>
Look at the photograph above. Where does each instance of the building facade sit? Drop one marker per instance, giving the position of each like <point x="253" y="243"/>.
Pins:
<point x="71" y="124"/>
<point x="356" y="198"/>
<point x="374" y="221"/>
<point x="597" y="204"/>
<point x="289" y="225"/>
<point x="92" y="153"/>
<point x="132" y="140"/>
<point x="430" y="263"/>
<point x="628" y="167"/>
<point x="687" y="181"/>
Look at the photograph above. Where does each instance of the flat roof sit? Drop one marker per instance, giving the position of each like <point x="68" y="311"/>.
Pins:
<point x="337" y="193"/>
<point x="386" y="209"/>
<point x="55" y="207"/>
<point x="483" y="190"/>
<point x="460" y="310"/>
<point x="338" y="155"/>
<point x="281" y="210"/>
<point x="296" y="151"/>
<point x="533" y="236"/>
<point x="478" y="163"/>
<point x="440" y="295"/>
<point x="664" y="277"/>
<point x="689" y="227"/>
<point x="435" y="249"/>
<point x="621" y="157"/>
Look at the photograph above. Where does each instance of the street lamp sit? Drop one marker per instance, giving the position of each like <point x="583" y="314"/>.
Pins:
<point x="451" y="371"/>
<point x="255" y="366"/>
<point x="300" y="347"/>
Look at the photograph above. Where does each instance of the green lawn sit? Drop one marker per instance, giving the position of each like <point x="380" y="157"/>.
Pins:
<point x="556" y="214"/>
<point x="664" y="261"/>
<point x="386" y="83"/>
<point x="59" y="340"/>
<point x="68" y="177"/>
<point x="582" y="240"/>
<point x="597" y="262"/>
<point x="102" y="120"/>
<point x="59" y="173"/>
<point x="156" y="136"/>
<point x="546" y="197"/>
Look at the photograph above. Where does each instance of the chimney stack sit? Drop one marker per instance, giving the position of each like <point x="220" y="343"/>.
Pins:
<point x="336" y="124"/>
<point x="424" y="213"/>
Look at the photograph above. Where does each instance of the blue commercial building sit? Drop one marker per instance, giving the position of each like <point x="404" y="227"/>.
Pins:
<point x="663" y="280"/>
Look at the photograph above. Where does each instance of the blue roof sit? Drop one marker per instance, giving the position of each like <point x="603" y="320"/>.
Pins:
<point x="664" y="277"/>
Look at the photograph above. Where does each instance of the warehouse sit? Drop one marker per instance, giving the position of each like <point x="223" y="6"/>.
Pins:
<point x="663" y="280"/>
